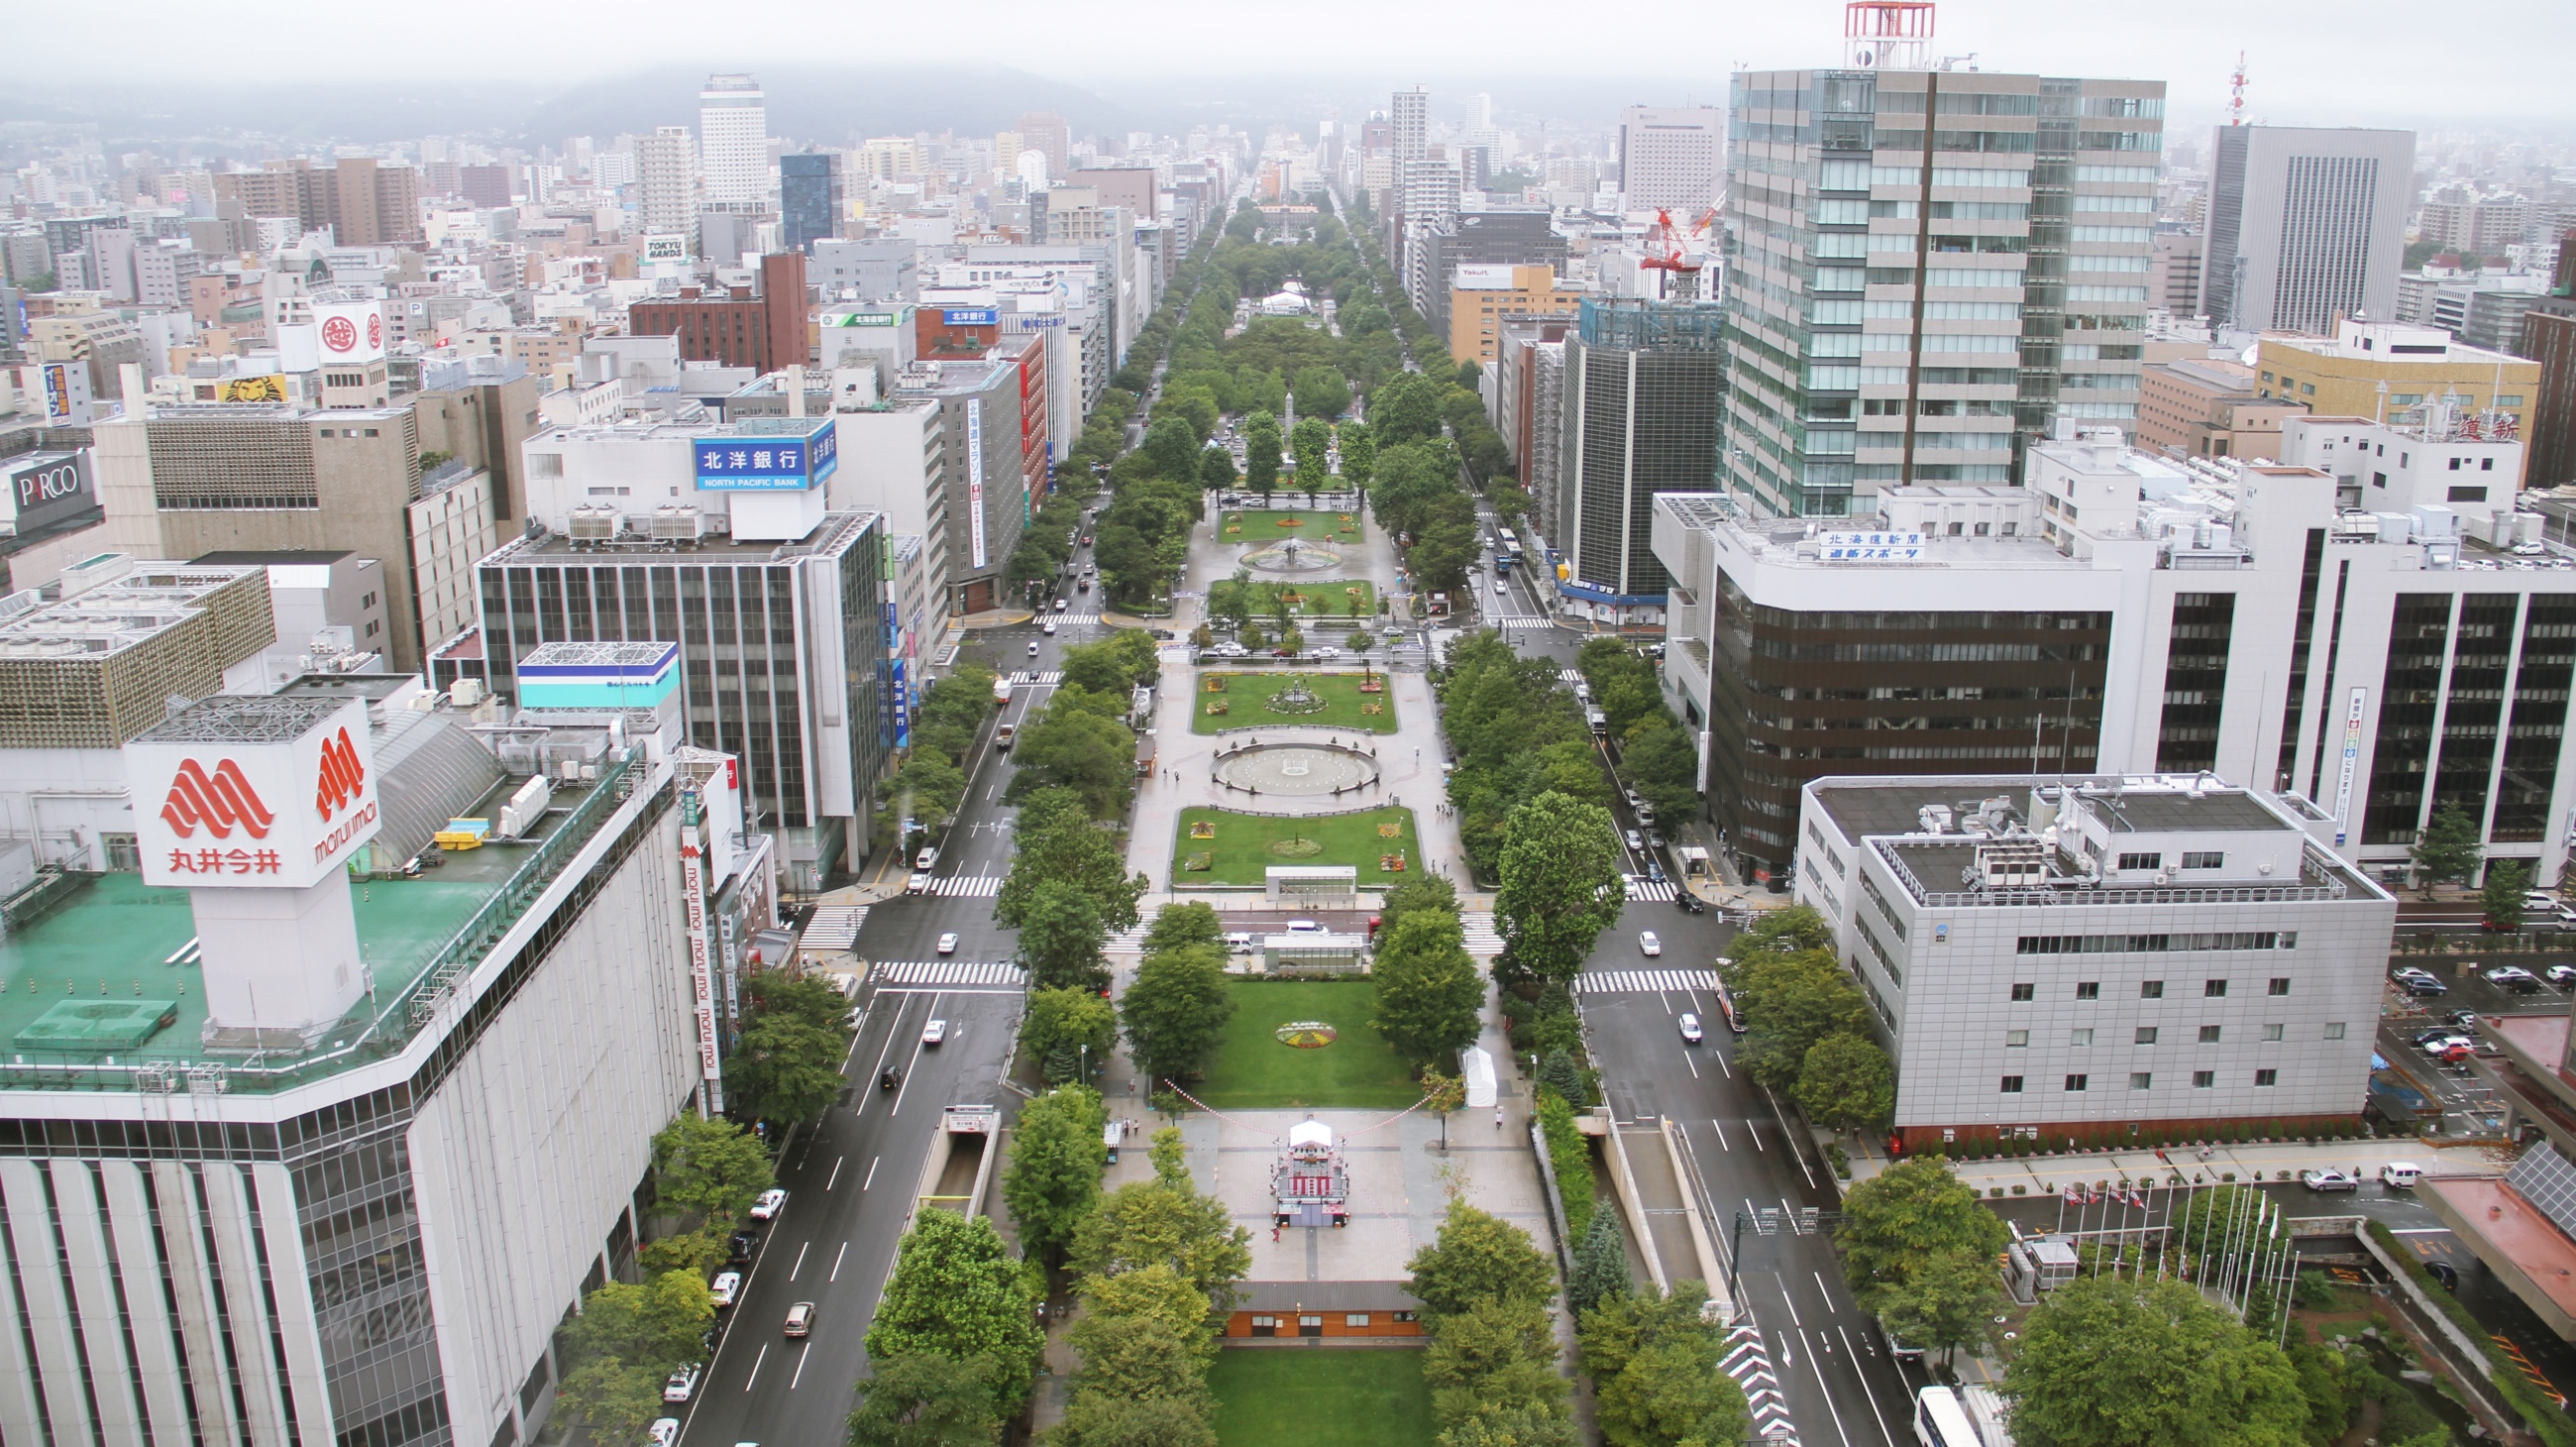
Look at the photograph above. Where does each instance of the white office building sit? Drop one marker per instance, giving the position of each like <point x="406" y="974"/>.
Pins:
<point x="2371" y="624"/>
<point x="2121" y="959"/>
<point x="2306" y="226"/>
<point x="733" y="143"/>
<point x="1672" y="157"/>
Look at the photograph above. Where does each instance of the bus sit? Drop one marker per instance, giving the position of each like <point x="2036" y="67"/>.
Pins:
<point x="1939" y="1420"/>
<point x="1503" y="537"/>
<point x="1513" y="550"/>
<point x="1726" y="1006"/>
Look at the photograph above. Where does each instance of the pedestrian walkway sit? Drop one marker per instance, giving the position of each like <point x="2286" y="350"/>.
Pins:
<point x="1526" y="622"/>
<point x="1748" y="1361"/>
<point x="950" y="972"/>
<point x="1482" y="938"/>
<point x="1088" y="620"/>
<point x="1613" y="982"/>
<point x="1569" y="676"/>
<point x="1128" y="939"/>
<point x="834" y="928"/>
<point x="1654" y="891"/>
<point x="1046" y="679"/>
<point x="967" y="886"/>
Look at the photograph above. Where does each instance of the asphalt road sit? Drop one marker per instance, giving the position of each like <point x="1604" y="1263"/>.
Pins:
<point x="850" y="1180"/>
<point x="1841" y="1387"/>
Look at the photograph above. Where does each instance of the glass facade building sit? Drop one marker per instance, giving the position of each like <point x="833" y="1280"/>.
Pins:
<point x="782" y="659"/>
<point x="1925" y="270"/>
<point x="1643" y="385"/>
<point x="809" y="199"/>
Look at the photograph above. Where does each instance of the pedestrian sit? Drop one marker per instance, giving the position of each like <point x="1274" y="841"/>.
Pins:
<point x="1498" y="1117"/>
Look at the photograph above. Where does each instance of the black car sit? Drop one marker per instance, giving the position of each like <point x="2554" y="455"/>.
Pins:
<point x="1689" y="904"/>
<point x="739" y="1248"/>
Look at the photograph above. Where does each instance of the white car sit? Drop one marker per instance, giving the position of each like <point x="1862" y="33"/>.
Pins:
<point x="1033" y="645"/>
<point x="934" y="1032"/>
<point x="678" y="1386"/>
<point x="1647" y="942"/>
<point x="2563" y="976"/>
<point x="1049" y="629"/>
<point x="726" y="1286"/>
<point x="1501" y="587"/>
<point x="2330" y="1180"/>
<point x="948" y="943"/>
<point x="665" y="1432"/>
<point x="771" y="1202"/>
<point x="1690" y="1028"/>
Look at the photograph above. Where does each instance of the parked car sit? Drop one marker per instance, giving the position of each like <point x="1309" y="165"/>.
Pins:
<point x="2462" y="1020"/>
<point x="1305" y="927"/>
<point x="2329" y="1180"/>
<point x="2443" y="1048"/>
<point x="1690" y="1028"/>
<point x="1648" y="943"/>
<point x="726" y="1286"/>
<point x="934" y="1032"/>
<point x="2419" y="982"/>
<point x="678" y="1386"/>
<point x="948" y="943"/>
<point x="2513" y="977"/>
<point x="665" y="1432"/>
<point x="2400" y="1174"/>
<point x="2563" y="976"/>
<point x="740" y="1246"/>
<point x="2540" y="901"/>
<point x="771" y="1202"/>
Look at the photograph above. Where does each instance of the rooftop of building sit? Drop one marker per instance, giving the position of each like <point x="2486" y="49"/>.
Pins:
<point x="146" y="601"/>
<point x="100" y="984"/>
<point x="268" y="557"/>
<point x="2519" y="1230"/>
<point x="2395" y="343"/>
<point x="2021" y="840"/>
<point x="553" y="549"/>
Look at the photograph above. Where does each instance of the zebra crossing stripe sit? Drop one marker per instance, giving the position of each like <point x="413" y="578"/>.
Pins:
<point x="1570" y="675"/>
<point x="1640" y="887"/>
<point x="1617" y="982"/>
<point x="950" y="972"/>
<point x="1047" y="679"/>
<point x="967" y="886"/>
<point x="1127" y="939"/>
<point x="835" y="927"/>
<point x="1529" y="623"/>
<point x="1748" y="1362"/>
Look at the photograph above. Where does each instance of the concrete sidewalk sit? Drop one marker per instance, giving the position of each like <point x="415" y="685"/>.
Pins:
<point x="2045" y="1175"/>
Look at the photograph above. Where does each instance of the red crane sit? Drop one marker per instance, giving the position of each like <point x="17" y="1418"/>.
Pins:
<point x="1665" y="252"/>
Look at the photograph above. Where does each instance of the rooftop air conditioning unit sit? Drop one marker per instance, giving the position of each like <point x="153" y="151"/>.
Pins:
<point x="593" y="524"/>
<point x="679" y="522"/>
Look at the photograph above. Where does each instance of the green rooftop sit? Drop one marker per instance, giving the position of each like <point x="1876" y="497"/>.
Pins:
<point x="105" y="992"/>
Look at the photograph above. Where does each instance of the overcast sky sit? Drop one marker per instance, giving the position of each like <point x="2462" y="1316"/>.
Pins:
<point x="2358" y="62"/>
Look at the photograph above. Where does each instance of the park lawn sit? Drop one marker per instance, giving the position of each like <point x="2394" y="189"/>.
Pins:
<point x="1254" y="1071"/>
<point x="1353" y="1398"/>
<point x="1270" y="527"/>
<point x="1241" y="849"/>
<point x="1246" y="698"/>
<point x="1329" y="601"/>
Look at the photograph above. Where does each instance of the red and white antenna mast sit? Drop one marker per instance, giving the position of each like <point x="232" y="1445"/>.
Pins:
<point x="2236" y="93"/>
<point x="1887" y="34"/>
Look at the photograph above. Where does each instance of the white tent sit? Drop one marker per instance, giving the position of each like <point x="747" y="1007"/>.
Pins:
<point x="1477" y="1068"/>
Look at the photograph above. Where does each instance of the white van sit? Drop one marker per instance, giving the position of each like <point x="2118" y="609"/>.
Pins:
<point x="928" y="861"/>
<point x="2400" y="1175"/>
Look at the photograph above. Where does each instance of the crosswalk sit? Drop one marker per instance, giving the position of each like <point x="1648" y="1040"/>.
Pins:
<point x="966" y="886"/>
<point x="1046" y="679"/>
<point x="835" y="927"/>
<point x="1128" y="939"/>
<point x="1088" y="620"/>
<point x="1748" y="1361"/>
<point x="1630" y="982"/>
<point x="951" y="972"/>
<point x="1654" y="891"/>
<point x="1482" y="939"/>
<point x="1569" y="676"/>
<point x="1527" y="622"/>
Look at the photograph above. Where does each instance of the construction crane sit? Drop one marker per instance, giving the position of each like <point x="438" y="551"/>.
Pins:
<point x="2236" y="93"/>
<point x="1665" y="252"/>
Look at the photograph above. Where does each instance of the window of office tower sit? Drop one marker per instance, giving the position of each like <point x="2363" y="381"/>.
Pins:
<point x="2539" y="721"/>
<point x="2195" y="681"/>
<point x="2410" y="694"/>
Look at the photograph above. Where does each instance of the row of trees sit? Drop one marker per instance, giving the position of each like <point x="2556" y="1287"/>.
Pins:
<point x="1429" y="995"/>
<point x="932" y="779"/>
<point x="1808" y="1033"/>
<point x="1175" y="1010"/>
<point x="628" y="1336"/>
<point x="1484" y="1288"/>
<point x="1515" y="733"/>
<point x="786" y="1068"/>
<point x="1068" y="891"/>
<point x="1655" y="753"/>
<point x="1452" y="400"/>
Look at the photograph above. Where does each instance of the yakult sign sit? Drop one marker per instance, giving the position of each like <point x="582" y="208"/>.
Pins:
<point x="252" y="812"/>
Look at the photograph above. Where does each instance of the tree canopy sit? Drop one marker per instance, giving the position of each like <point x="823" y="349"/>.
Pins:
<point x="2112" y="1361"/>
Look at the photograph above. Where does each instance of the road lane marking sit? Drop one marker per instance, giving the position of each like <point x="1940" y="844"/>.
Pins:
<point x="872" y="1172"/>
<point x="912" y="1067"/>
<point x="1785" y="1301"/>
<point x="1853" y="1353"/>
<point x="1693" y="1064"/>
<point x="755" y="1367"/>
<point x="836" y="1172"/>
<point x="1753" y="1133"/>
<point x="1720" y="1128"/>
<point x="807" y="1246"/>
<point x="836" y="1262"/>
<point x="1821" y="1290"/>
<point x="865" y="1095"/>
<point x="1818" y="1368"/>
<point x="800" y="1366"/>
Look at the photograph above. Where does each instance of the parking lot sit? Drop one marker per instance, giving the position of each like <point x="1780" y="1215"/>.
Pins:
<point x="2469" y="1107"/>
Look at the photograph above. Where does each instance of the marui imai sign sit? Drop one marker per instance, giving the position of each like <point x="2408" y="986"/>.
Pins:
<point x="238" y="814"/>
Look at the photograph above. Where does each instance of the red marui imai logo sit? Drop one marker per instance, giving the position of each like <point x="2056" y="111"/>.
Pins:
<point x="342" y="776"/>
<point x="375" y="329"/>
<point x="340" y="781"/>
<point x="218" y="803"/>
<point x="340" y="334"/>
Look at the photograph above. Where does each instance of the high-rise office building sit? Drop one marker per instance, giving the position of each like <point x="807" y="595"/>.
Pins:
<point x="1046" y="133"/>
<point x="1409" y="125"/>
<point x="1672" y="156"/>
<point x="2305" y="226"/>
<point x="362" y="201"/>
<point x="666" y="183"/>
<point x="1643" y="382"/>
<point x="733" y="142"/>
<point x="809" y="198"/>
<point x="1913" y="304"/>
